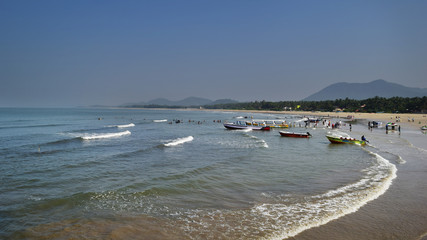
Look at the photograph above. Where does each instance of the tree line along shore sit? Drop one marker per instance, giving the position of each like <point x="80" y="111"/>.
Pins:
<point x="370" y="105"/>
<point x="409" y="111"/>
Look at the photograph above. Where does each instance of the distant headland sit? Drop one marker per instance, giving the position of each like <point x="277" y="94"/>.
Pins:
<point x="371" y="97"/>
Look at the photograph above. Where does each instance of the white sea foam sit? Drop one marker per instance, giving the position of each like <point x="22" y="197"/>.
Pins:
<point x="260" y="141"/>
<point x="245" y="130"/>
<point x="179" y="141"/>
<point x="323" y="208"/>
<point x="264" y="143"/>
<point x="104" y="135"/>
<point x="161" y="120"/>
<point x="126" y="125"/>
<point x="337" y="133"/>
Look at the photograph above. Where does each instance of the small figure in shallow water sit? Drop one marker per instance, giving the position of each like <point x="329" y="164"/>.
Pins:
<point x="364" y="139"/>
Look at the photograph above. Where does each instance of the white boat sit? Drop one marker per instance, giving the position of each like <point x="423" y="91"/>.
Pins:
<point x="392" y="126"/>
<point x="268" y="123"/>
<point x="243" y="125"/>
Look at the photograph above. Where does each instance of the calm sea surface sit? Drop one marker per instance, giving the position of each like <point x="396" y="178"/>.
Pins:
<point x="126" y="174"/>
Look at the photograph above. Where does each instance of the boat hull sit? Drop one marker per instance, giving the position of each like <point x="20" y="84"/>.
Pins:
<point x="294" y="135"/>
<point x="333" y="139"/>
<point x="280" y="126"/>
<point x="232" y="126"/>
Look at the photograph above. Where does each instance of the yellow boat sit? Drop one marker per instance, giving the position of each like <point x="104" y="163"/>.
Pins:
<point x="336" y="139"/>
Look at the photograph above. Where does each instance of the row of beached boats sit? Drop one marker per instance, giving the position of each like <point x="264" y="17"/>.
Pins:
<point x="332" y="137"/>
<point x="268" y="123"/>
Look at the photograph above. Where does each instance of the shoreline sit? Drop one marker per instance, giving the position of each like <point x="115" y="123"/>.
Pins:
<point x="399" y="213"/>
<point x="416" y="120"/>
<point x="410" y="120"/>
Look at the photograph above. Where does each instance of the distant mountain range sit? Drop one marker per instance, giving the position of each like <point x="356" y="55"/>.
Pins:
<point x="187" y="102"/>
<point x="360" y="91"/>
<point x="342" y="90"/>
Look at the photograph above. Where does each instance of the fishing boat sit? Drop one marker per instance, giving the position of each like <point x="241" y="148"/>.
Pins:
<point x="341" y="139"/>
<point x="312" y="120"/>
<point x="242" y="125"/>
<point x="277" y="124"/>
<point x="269" y="123"/>
<point x="295" y="135"/>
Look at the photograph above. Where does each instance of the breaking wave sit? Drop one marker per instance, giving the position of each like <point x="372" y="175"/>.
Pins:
<point x="158" y="121"/>
<point x="123" y="126"/>
<point x="323" y="208"/>
<point x="285" y="216"/>
<point x="95" y="136"/>
<point x="260" y="141"/>
<point x="179" y="141"/>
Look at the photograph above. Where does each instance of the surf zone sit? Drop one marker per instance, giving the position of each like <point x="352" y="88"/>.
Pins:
<point x="97" y="136"/>
<point x="123" y="126"/>
<point x="179" y="141"/>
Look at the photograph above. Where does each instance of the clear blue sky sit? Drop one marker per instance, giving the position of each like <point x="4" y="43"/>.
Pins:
<point x="71" y="53"/>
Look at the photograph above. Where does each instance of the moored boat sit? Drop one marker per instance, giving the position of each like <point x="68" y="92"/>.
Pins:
<point x="269" y="123"/>
<point x="341" y="139"/>
<point x="295" y="135"/>
<point x="392" y="126"/>
<point x="242" y="125"/>
<point x="424" y="128"/>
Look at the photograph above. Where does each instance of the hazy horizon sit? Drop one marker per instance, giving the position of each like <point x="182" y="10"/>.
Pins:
<point x="81" y="53"/>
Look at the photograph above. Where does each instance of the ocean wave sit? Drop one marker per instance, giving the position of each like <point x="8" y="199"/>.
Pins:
<point x="281" y="217"/>
<point x="249" y="141"/>
<point x="161" y="120"/>
<point x="95" y="136"/>
<point x="179" y="141"/>
<point x="323" y="208"/>
<point x="286" y="216"/>
<point x="260" y="141"/>
<point x="123" y="126"/>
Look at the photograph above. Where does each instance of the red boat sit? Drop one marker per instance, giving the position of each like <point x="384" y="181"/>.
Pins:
<point x="295" y="135"/>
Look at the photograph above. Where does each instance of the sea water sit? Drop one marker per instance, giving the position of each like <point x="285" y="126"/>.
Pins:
<point x="138" y="173"/>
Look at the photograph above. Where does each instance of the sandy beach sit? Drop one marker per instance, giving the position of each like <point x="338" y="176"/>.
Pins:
<point x="410" y="120"/>
<point x="401" y="213"/>
<point x="405" y="119"/>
